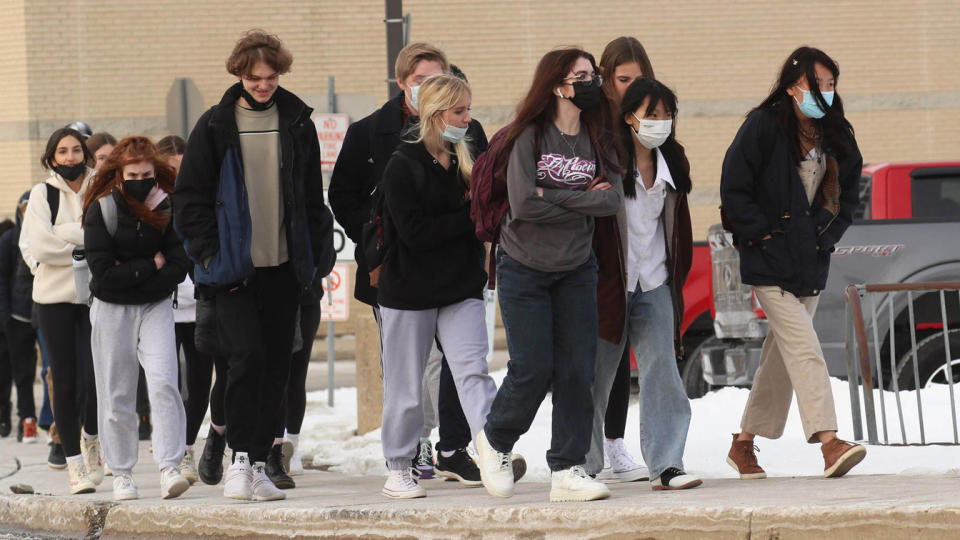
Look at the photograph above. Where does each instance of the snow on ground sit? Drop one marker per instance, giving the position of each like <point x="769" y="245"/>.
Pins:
<point x="328" y="435"/>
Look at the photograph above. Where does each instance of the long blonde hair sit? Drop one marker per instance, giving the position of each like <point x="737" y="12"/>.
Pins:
<point x="437" y="94"/>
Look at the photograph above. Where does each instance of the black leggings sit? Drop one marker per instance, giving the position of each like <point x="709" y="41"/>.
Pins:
<point x="66" y="337"/>
<point x="21" y="341"/>
<point x="295" y="398"/>
<point x="615" y="421"/>
<point x="200" y="368"/>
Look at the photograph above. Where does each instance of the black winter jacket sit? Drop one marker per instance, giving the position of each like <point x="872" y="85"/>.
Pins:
<point x="121" y="266"/>
<point x="433" y="257"/>
<point x="762" y="194"/>
<point x="16" y="282"/>
<point x="367" y="148"/>
<point x="308" y="222"/>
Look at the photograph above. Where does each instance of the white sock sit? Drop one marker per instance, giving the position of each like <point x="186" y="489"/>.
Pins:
<point x="292" y="437"/>
<point x="86" y="436"/>
<point x="277" y="440"/>
<point x="75" y="459"/>
<point x="218" y="429"/>
<point x="188" y="448"/>
<point x="446" y="453"/>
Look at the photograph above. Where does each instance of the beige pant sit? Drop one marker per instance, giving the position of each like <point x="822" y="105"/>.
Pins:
<point x="791" y="360"/>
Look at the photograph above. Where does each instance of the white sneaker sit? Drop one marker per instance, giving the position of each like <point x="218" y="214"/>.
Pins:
<point x="402" y="485"/>
<point x="92" y="459"/>
<point x="674" y="478"/>
<point x="124" y="488"/>
<point x="292" y="462"/>
<point x="574" y="484"/>
<point x="79" y="479"/>
<point x="496" y="468"/>
<point x="618" y="464"/>
<point x="188" y="468"/>
<point x="262" y="487"/>
<point x="172" y="483"/>
<point x="238" y="478"/>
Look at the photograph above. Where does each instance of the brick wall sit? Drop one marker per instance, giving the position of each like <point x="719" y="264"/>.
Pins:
<point x="112" y="62"/>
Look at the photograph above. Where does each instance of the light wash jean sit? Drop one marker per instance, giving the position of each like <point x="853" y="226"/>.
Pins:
<point x="664" y="407"/>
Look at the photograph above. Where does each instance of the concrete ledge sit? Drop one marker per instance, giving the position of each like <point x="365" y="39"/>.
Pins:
<point x="332" y="505"/>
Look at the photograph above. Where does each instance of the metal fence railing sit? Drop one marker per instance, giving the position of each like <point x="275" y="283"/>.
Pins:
<point x="890" y="306"/>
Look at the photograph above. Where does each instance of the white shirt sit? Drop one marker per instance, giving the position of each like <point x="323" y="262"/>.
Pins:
<point x="646" y="246"/>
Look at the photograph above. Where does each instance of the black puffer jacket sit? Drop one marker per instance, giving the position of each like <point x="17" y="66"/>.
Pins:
<point x="763" y="194"/>
<point x="367" y="148"/>
<point x="433" y="256"/>
<point x="16" y="281"/>
<point x="122" y="266"/>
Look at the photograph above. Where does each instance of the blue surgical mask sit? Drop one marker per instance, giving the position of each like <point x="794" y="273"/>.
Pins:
<point x="810" y="108"/>
<point x="453" y="134"/>
<point x="414" y="90"/>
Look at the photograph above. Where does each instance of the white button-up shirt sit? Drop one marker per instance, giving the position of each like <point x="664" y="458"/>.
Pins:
<point x="646" y="247"/>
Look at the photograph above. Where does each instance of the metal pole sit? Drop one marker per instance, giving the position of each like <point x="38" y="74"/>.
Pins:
<point x="893" y="371"/>
<point x="916" y="369"/>
<point x="331" y="94"/>
<point x="876" y="350"/>
<point x="948" y="362"/>
<point x="394" y="20"/>
<point x="851" y="369"/>
<point x="331" y="351"/>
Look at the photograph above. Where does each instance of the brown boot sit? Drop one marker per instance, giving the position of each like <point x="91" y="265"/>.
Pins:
<point x="839" y="456"/>
<point x="744" y="461"/>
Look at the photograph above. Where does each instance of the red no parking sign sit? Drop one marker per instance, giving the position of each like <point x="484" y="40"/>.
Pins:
<point x="335" y="305"/>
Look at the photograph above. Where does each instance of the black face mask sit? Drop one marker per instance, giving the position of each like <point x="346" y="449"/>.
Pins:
<point x="71" y="173"/>
<point x="253" y="103"/>
<point x="139" y="189"/>
<point x="586" y="95"/>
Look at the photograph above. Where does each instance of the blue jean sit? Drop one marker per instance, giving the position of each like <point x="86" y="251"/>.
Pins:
<point x="551" y="324"/>
<point x="664" y="407"/>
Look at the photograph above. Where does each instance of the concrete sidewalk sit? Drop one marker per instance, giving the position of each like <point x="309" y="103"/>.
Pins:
<point x="332" y="505"/>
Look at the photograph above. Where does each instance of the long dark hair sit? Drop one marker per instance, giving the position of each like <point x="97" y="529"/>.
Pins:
<point x="833" y="129"/>
<point x="622" y="50"/>
<point x="672" y="150"/>
<point x="51" y="150"/>
<point x="539" y="106"/>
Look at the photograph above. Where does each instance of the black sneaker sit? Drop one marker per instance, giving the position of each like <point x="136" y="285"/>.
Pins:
<point x="210" y="467"/>
<point x="274" y="469"/>
<point x="460" y="466"/>
<point x="5" y="425"/>
<point x="56" y="458"/>
<point x="145" y="428"/>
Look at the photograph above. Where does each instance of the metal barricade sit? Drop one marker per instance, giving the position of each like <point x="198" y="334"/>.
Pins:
<point x="862" y="369"/>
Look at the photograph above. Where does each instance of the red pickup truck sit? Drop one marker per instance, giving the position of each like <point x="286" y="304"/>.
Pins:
<point x="923" y="198"/>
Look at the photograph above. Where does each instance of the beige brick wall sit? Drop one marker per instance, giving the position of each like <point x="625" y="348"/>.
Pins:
<point x="112" y="62"/>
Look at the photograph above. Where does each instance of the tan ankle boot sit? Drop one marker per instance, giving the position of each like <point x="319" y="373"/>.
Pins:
<point x="743" y="459"/>
<point x="839" y="457"/>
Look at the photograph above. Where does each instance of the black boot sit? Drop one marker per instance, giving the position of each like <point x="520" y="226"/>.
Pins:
<point x="275" y="471"/>
<point x="5" y="425"/>
<point x="56" y="459"/>
<point x="210" y="467"/>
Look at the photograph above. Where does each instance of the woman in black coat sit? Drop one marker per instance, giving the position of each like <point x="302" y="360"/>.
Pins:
<point x="789" y="189"/>
<point x="136" y="261"/>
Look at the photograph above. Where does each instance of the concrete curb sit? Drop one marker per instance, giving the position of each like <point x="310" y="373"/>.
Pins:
<point x="91" y="519"/>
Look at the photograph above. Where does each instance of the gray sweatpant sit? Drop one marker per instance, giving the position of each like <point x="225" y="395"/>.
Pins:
<point x="123" y="335"/>
<point x="431" y="391"/>
<point x="406" y="337"/>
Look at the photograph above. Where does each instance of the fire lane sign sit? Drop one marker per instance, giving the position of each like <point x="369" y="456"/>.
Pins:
<point x="331" y="130"/>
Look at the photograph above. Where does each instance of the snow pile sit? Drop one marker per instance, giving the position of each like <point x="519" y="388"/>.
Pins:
<point x="328" y="435"/>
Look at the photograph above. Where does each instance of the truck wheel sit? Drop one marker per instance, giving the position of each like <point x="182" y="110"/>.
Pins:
<point x="692" y="373"/>
<point x="931" y="360"/>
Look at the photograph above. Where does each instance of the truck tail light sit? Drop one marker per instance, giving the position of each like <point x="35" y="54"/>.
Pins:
<point x="757" y="309"/>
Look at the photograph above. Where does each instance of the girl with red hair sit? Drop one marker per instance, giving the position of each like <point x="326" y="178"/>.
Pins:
<point x="136" y="261"/>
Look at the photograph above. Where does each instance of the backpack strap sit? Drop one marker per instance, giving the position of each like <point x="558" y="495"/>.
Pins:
<point x="108" y="208"/>
<point x="53" y="199"/>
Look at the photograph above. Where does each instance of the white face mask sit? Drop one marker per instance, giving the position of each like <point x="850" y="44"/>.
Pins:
<point x="414" y="90"/>
<point x="652" y="133"/>
<point x="453" y="134"/>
